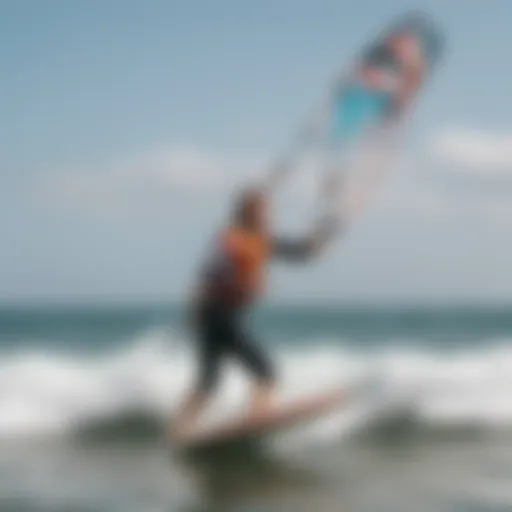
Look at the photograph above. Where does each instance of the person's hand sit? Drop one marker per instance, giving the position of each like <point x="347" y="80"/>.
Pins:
<point x="325" y="231"/>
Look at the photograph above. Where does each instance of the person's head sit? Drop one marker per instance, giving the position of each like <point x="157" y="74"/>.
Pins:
<point x="251" y="209"/>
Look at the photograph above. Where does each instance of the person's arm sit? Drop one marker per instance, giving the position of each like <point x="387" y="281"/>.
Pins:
<point x="303" y="249"/>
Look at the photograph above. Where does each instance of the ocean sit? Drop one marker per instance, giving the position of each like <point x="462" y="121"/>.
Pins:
<point x="85" y="392"/>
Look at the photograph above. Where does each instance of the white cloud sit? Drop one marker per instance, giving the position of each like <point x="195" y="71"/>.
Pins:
<point x="152" y="177"/>
<point x="474" y="151"/>
<point x="161" y="177"/>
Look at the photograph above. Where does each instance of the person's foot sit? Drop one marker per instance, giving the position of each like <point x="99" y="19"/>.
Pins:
<point x="179" y="431"/>
<point x="261" y="413"/>
<point x="187" y="418"/>
<point x="173" y="434"/>
<point x="262" y="403"/>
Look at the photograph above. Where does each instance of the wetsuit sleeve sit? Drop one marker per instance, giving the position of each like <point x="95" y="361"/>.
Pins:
<point x="302" y="249"/>
<point x="292" y="249"/>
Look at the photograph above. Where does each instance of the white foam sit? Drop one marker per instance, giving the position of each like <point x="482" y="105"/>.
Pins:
<point x="47" y="392"/>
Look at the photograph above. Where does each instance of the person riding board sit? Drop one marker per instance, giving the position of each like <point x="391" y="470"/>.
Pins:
<point x="234" y="276"/>
<point x="232" y="280"/>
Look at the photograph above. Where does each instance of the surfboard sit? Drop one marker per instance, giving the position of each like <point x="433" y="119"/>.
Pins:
<point x="252" y="428"/>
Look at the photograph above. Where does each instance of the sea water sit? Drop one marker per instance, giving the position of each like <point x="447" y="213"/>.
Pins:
<point x="84" y="392"/>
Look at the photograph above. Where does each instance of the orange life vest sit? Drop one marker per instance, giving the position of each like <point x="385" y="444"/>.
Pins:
<point x="247" y="254"/>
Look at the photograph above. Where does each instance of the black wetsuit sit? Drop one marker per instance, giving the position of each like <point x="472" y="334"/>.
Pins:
<point x="220" y="329"/>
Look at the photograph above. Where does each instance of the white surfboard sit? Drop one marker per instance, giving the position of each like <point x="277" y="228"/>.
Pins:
<point x="293" y="414"/>
<point x="281" y="417"/>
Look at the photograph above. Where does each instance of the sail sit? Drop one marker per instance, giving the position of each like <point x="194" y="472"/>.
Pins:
<point x="367" y="105"/>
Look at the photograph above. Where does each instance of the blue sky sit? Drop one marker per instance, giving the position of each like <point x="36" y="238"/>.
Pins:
<point x="126" y="123"/>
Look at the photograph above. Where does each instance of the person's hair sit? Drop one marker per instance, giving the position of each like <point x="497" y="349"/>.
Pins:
<point x="244" y="201"/>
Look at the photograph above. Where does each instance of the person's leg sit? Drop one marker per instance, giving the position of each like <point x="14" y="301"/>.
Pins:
<point x="189" y="414"/>
<point x="210" y="353"/>
<point x="257" y="362"/>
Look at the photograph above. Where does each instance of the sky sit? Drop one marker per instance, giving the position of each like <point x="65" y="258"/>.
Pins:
<point x="127" y="124"/>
